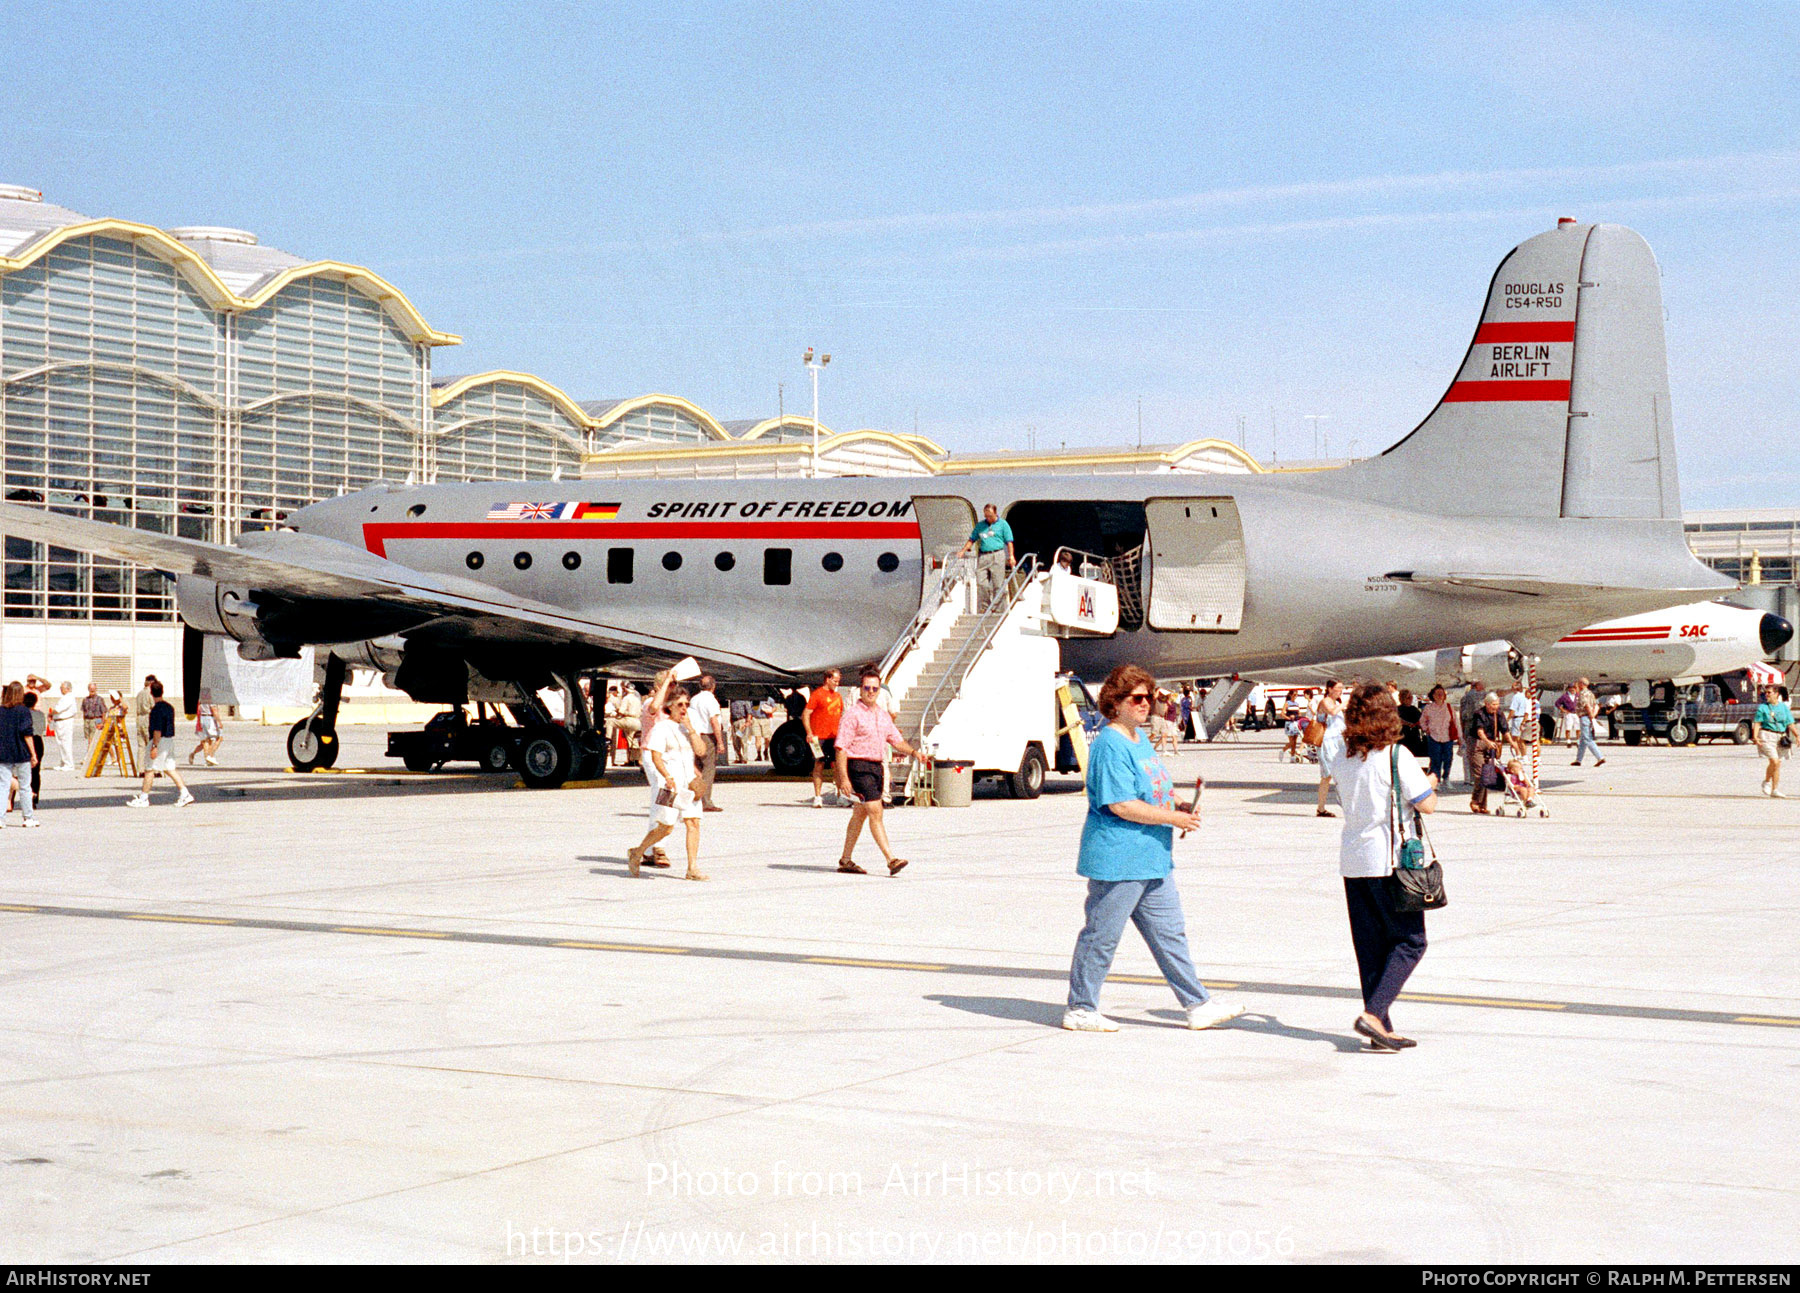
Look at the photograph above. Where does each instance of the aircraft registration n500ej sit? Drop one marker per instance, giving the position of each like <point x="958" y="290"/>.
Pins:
<point x="1538" y="496"/>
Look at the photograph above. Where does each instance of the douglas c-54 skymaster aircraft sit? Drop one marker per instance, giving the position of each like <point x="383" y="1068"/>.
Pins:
<point x="1538" y="496"/>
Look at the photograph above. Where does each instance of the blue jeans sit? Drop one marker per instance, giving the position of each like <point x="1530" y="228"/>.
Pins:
<point x="1154" y="907"/>
<point x="1587" y="741"/>
<point x="17" y="774"/>
<point x="1439" y="755"/>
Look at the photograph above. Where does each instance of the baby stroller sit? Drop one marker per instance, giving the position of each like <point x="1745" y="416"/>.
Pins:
<point x="1517" y="796"/>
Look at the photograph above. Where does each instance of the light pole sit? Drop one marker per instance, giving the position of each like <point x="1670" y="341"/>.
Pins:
<point x="814" y="364"/>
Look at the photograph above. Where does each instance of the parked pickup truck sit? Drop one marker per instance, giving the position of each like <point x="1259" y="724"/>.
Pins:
<point x="1682" y="715"/>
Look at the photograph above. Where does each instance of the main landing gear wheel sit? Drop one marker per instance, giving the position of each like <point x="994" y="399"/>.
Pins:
<point x="789" y="752"/>
<point x="497" y="757"/>
<point x="311" y="744"/>
<point x="1028" y="781"/>
<point x="546" y="757"/>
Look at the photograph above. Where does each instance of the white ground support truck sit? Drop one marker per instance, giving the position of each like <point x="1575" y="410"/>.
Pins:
<point x="980" y="685"/>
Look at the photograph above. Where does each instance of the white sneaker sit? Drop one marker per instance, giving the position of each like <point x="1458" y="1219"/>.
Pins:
<point x="818" y="802"/>
<point x="211" y="762"/>
<point x="1776" y="794"/>
<point x="1213" y="1012"/>
<point x="1088" y="1021"/>
<point x="32" y="823"/>
<point x="185" y="800"/>
<point x="138" y="801"/>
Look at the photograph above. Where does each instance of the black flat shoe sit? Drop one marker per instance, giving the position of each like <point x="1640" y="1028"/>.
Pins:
<point x="1379" y="1038"/>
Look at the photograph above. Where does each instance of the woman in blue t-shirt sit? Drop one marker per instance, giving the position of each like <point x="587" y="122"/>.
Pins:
<point x="1127" y="847"/>
<point x="1773" y="718"/>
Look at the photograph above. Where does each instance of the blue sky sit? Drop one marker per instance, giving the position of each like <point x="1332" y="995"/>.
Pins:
<point x="1001" y="220"/>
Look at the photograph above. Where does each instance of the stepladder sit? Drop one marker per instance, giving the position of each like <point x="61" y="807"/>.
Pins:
<point x="113" y="745"/>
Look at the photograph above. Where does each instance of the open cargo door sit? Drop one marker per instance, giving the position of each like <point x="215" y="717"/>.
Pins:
<point x="944" y="525"/>
<point x="1196" y="565"/>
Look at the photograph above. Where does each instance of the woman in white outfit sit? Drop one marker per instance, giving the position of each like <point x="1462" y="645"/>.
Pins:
<point x="1330" y="712"/>
<point x="671" y="754"/>
<point x="1389" y="942"/>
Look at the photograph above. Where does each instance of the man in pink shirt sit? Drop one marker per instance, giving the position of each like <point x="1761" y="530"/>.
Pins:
<point x="864" y="733"/>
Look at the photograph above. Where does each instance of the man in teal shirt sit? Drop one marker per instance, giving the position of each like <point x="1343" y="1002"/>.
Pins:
<point x="992" y="540"/>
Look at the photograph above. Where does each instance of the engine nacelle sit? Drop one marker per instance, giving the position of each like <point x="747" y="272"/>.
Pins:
<point x="210" y="607"/>
<point x="383" y="656"/>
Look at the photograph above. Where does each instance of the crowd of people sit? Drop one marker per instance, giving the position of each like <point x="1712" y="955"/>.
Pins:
<point x="1492" y="730"/>
<point x="680" y="737"/>
<point x="1386" y="754"/>
<point x="40" y="720"/>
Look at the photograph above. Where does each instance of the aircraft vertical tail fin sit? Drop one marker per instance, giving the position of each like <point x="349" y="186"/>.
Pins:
<point x="1561" y="406"/>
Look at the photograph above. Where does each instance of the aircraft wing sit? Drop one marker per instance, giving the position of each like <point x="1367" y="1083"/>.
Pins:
<point x="1547" y="608"/>
<point x="1477" y="584"/>
<point x="306" y="566"/>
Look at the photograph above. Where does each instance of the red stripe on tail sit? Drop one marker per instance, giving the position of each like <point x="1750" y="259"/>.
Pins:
<point x="1482" y="392"/>
<point x="1489" y="332"/>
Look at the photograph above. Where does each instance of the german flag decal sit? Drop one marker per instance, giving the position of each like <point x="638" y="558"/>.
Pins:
<point x="596" y="511"/>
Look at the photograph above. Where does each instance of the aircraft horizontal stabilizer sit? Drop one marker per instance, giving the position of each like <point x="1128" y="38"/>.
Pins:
<point x="303" y="566"/>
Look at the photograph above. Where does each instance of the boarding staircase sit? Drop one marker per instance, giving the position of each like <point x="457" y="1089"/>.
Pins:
<point x="1004" y="658"/>
<point x="932" y="664"/>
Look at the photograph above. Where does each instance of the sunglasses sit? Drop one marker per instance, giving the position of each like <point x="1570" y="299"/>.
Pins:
<point x="1138" y="698"/>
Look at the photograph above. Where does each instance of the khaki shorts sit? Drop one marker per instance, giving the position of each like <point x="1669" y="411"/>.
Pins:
<point x="1768" y="744"/>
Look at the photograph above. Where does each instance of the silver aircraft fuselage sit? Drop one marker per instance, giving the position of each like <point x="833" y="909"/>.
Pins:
<point x="701" y="574"/>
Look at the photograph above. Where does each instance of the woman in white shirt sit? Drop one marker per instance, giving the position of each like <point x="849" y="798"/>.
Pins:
<point x="670" y="754"/>
<point x="1363" y="760"/>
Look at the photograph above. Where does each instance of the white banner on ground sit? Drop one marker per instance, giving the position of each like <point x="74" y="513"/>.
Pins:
<point x="232" y="680"/>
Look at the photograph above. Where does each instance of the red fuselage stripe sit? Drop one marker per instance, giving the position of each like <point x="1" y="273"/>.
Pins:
<point x="1494" y="332"/>
<point x="1655" y="635"/>
<point x="377" y="536"/>
<point x="1481" y="392"/>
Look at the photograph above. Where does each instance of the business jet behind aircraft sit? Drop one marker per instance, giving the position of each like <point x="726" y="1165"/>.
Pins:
<point x="1682" y="644"/>
<point x="1538" y="496"/>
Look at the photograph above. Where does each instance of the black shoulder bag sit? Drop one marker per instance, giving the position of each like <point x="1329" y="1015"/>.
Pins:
<point x="1415" y="884"/>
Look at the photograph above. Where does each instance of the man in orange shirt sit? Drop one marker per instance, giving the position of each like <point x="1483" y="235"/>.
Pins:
<point x="824" y="711"/>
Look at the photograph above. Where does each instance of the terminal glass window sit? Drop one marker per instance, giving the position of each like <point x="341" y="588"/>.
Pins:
<point x="503" y="430"/>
